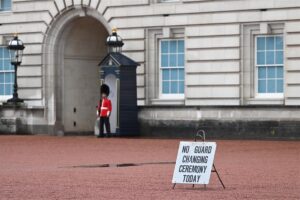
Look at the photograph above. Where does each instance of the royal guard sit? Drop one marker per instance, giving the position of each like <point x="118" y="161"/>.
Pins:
<point x="104" y="109"/>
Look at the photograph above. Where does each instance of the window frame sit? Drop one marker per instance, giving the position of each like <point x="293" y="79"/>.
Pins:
<point x="267" y="95"/>
<point x="4" y="98"/>
<point x="178" y="96"/>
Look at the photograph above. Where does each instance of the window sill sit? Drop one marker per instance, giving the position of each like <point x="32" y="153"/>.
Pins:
<point x="265" y="101"/>
<point x="6" y="12"/>
<point x="4" y="98"/>
<point x="167" y="101"/>
<point x="170" y="1"/>
<point x="270" y="96"/>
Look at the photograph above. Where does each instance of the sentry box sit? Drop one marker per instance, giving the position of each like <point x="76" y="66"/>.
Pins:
<point x="118" y="72"/>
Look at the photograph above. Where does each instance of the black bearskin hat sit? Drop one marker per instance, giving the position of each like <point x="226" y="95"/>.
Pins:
<point x="105" y="89"/>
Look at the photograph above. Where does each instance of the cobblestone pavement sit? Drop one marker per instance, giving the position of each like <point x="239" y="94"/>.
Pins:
<point x="44" y="167"/>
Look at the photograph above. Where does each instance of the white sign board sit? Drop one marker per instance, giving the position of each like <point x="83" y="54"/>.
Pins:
<point x="194" y="162"/>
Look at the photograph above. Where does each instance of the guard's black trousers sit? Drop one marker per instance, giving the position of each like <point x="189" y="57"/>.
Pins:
<point x="104" y="121"/>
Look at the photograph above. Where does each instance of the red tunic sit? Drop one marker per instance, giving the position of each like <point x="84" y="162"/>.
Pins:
<point x="105" y="108"/>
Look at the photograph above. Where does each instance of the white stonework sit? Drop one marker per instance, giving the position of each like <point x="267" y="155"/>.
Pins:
<point x="219" y="57"/>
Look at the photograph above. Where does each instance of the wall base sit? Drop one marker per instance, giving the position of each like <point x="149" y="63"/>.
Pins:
<point x="22" y="120"/>
<point x="221" y="122"/>
<point x="222" y="129"/>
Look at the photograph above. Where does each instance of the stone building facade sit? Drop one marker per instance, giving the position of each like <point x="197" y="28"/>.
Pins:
<point x="231" y="67"/>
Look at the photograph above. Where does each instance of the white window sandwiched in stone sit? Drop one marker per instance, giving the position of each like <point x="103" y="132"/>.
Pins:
<point x="6" y="75"/>
<point x="269" y="62"/>
<point x="171" y="68"/>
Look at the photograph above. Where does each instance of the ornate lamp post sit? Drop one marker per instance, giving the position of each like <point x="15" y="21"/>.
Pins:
<point x="114" y="42"/>
<point x="15" y="48"/>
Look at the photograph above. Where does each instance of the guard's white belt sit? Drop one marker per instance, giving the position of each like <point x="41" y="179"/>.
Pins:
<point x="104" y="108"/>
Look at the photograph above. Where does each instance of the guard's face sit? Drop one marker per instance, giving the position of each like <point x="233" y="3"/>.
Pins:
<point x="103" y="95"/>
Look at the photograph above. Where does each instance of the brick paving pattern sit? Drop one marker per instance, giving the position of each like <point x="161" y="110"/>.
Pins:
<point x="44" y="167"/>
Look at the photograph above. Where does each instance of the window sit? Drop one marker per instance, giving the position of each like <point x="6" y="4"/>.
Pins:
<point x="5" y="5"/>
<point x="269" y="66"/>
<point x="172" y="68"/>
<point x="6" y="74"/>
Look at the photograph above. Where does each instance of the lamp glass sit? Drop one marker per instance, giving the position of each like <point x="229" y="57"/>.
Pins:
<point x="16" y="56"/>
<point x="16" y="48"/>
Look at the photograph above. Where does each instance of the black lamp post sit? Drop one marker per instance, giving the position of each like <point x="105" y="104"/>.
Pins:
<point x="15" y="48"/>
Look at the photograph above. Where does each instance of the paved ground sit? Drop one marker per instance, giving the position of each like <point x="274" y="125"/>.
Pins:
<point x="41" y="167"/>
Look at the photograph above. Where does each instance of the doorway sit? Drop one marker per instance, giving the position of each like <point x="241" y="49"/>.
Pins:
<point x="84" y="46"/>
<point x="111" y="81"/>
